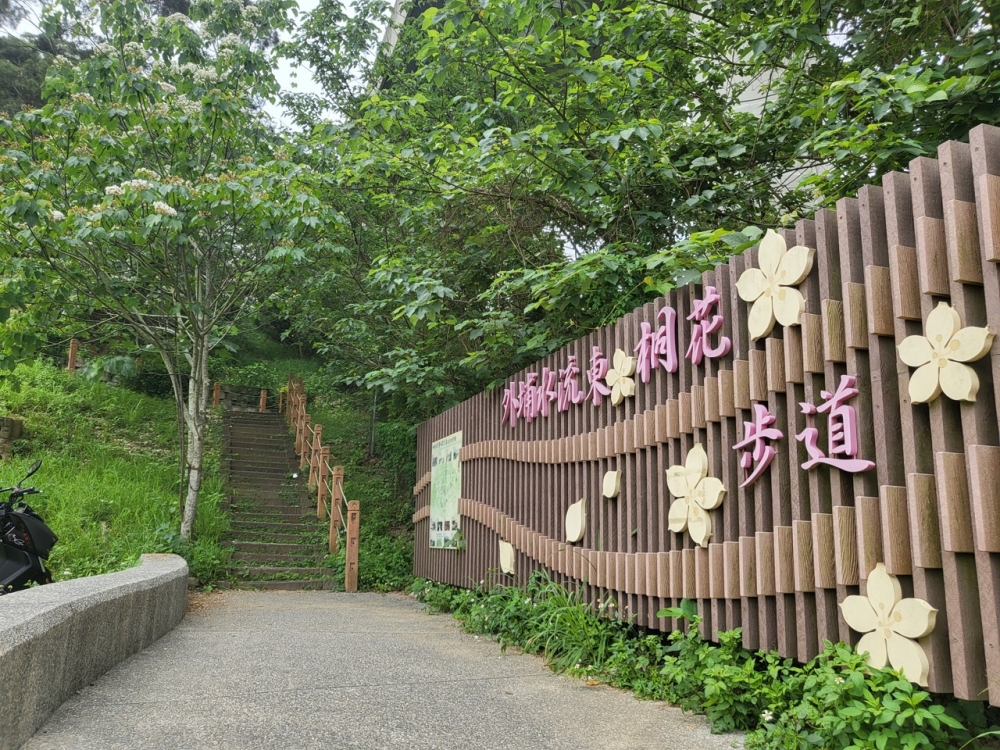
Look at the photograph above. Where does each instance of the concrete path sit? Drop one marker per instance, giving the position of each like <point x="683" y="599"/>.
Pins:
<point x="296" y="671"/>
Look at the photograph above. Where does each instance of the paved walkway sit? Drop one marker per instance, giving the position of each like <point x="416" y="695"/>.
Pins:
<point x="297" y="671"/>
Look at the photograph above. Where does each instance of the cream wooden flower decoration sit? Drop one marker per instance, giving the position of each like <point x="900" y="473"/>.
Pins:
<point x="619" y="378"/>
<point x="506" y="557"/>
<point x="696" y="493"/>
<point x="612" y="484"/>
<point x="770" y="287"/>
<point x="939" y="357"/>
<point x="890" y="622"/>
<point x="576" y="522"/>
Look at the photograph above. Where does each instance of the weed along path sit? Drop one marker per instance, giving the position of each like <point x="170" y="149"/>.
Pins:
<point x="303" y="670"/>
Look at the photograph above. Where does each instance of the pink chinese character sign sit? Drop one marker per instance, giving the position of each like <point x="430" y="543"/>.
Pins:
<point x="842" y="427"/>
<point x="657" y="349"/>
<point x="757" y="451"/>
<point x="704" y="328"/>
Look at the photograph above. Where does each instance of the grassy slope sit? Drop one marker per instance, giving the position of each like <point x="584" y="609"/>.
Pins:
<point x="109" y="473"/>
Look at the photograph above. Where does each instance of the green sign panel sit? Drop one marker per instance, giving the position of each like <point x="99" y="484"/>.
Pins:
<point x="446" y="489"/>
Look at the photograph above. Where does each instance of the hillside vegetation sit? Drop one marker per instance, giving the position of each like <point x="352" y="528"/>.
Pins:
<point x="109" y="473"/>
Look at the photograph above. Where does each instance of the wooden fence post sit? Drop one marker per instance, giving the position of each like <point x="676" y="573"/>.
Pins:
<point x="304" y="452"/>
<point x="351" y="562"/>
<point x="314" y="455"/>
<point x="336" y="505"/>
<point x="263" y="402"/>
<point x="321" y="488"/>
<point x="216" y="393"/>
<point x="74" y="347"/>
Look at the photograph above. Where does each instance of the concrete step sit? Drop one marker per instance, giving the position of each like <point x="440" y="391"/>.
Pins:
<point x="276" y="537"/>
<point x="295" y="561"/>
<point x="278" y="548"/>
<point x="271" y="571"/>
<point x="270" y="515"/>
<point x="283" y="527"/>
<point x="299" y="584"/>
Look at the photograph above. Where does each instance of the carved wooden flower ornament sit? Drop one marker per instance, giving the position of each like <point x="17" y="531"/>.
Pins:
<point x="890" y="622"/>
<point x="619" y="378"/>
<point x="506" y="557"/>
<point x="771" y="287"/>
<point x="696" y="493"/>
<point x="939" y="357"/>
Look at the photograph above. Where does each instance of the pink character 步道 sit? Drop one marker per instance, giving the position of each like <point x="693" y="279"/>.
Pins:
<point x="599" y="367"/>
<point x="759" y="433"/>
<point x="843" y="430"/>
<point x="657" y="348"/>
<point x="568" y="390"/>
<point x="704" y="328"/>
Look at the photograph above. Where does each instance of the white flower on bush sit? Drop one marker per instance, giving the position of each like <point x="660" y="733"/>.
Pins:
<point x="137" y="184"/>
<point x="168" y="88"/>
<point x="114" y="190"/>
<point x="163" y="209"/>
<point x="84" y="98"/>
<point x="767" y="716"/>
<point x="56" y="215"/>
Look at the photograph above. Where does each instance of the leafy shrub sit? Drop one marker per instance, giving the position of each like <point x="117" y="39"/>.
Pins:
<point x="833" y="701"/>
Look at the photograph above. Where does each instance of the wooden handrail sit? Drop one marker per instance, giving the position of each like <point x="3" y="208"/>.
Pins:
<point x="327" y="480"/>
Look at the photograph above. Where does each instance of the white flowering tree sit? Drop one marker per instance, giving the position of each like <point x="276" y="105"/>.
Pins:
<point x="153" y="193"/>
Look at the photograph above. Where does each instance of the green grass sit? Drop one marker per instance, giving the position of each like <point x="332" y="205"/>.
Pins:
<point x="109" y="474"/>
<point x="381" y="484"/>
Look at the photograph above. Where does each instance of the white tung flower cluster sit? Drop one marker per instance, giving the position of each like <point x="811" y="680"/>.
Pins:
<point x="56" y="215"/>
<point x="168" y="88"/>
<point x="85" y="98"/>
<point x="163" y="209"/>
<point x="137" y="184"/>
<point x="114" y="190"/>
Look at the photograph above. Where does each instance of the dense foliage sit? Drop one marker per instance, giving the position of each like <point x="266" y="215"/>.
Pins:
<point x="516" y="173"/>
<point x="149" y="193"/>
<point x="833" y="701"/>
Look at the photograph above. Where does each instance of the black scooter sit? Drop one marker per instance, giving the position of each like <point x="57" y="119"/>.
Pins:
<point x="25" y="540"/>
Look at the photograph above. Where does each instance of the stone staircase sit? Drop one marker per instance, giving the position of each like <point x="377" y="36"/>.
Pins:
<point x="279" y="542"/>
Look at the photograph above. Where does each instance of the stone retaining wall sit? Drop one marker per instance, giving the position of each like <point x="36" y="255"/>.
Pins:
<point x="56" y="639"/>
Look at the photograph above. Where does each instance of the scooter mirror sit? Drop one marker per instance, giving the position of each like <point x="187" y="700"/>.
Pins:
<point x="34" y="467"/>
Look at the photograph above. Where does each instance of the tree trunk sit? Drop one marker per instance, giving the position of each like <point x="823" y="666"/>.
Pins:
<point x="196" y="416"/>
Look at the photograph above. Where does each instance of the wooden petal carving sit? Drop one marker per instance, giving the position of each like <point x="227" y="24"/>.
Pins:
<point x="506" y="557"/>
<point x="612" y="483"/>
<point x="576" y="521"/>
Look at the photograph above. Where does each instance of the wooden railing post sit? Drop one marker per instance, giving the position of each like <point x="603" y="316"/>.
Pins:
<point x="263" y="401"/>
<point x="216" y="393"/>
<point x="304" y="451"/>
<point x="336" y="506"/>
<point x="74" y="347"/>
<point x="321" y="488"/>
<point x="314" y="455"/>
<point x="351" y="562"/>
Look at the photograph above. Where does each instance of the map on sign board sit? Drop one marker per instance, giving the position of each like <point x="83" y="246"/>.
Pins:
<point x="446" y="488"/>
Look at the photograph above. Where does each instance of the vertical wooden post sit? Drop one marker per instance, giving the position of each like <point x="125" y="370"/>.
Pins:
<point x="321" y="485"/>
<point x="263" y="402"/>
<point x="281" y="402"/>
<point x="336" y="506"/>
<point x="74" y="347"/>
<point x="351" y="562"/>
<point x="304" y="450"/>
<point x="314" y="455"/>
<point x="216" y="393"/>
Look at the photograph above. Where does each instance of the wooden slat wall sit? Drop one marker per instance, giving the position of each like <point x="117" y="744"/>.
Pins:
<point x="785" y="551"/>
